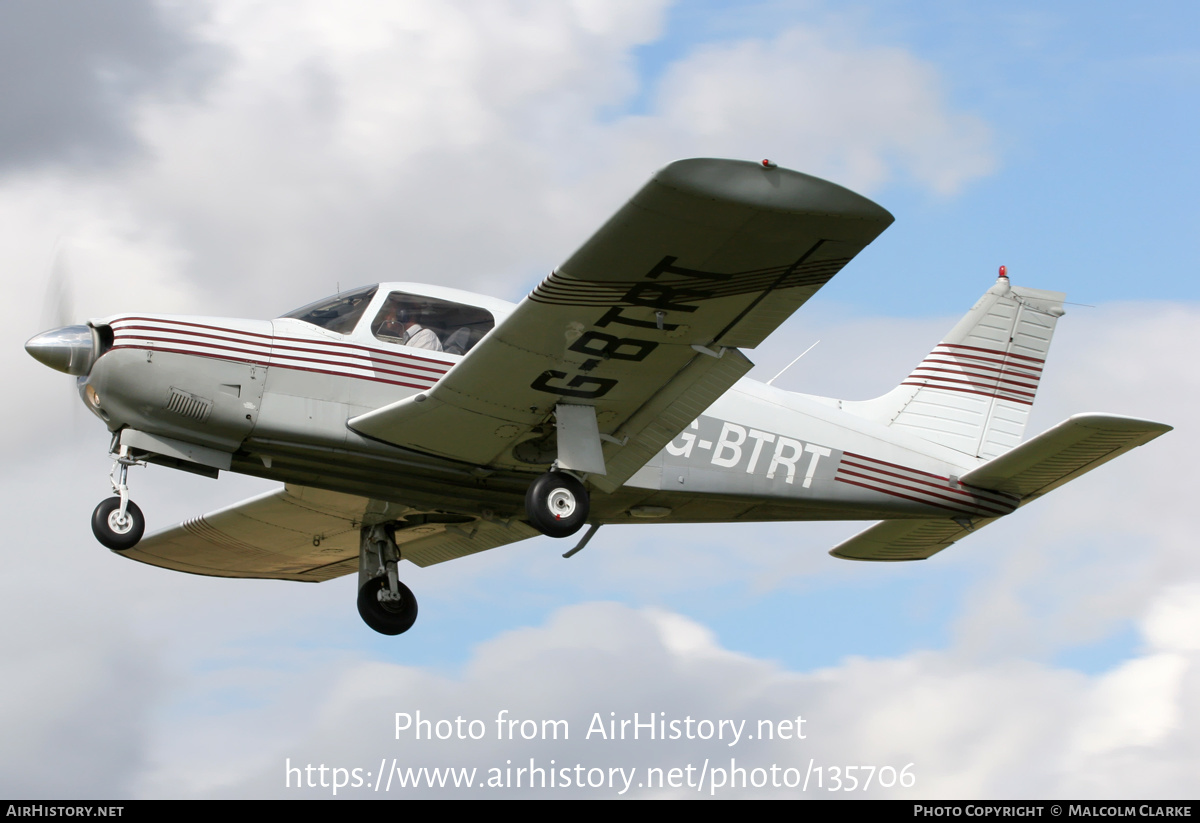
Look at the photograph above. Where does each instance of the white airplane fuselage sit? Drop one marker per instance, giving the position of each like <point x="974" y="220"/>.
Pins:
<point x="272" y="399"/>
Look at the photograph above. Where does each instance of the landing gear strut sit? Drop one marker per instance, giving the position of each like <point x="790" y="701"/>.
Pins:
<point x="117" y="522"/>
<point x="557" y="504"/>
<point x="384" y="603"/>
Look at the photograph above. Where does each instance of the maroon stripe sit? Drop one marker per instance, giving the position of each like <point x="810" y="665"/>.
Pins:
<point x="979" y="380"/>
<point x="185" y="323"/>
<point x="963" y="492"/>
<point x="904" y="496"/>
<point x="1002" y="377"/>
<point x="444" y="363"/>
<point x="212" y="350"/>
<point x="995" y="395"/>
<point x="371" y="355"/>
<point x="992" y="351"/>
<point x="227" y="336"/>
<point x="998" y="497"/>
<point x="274" y="338"/>
<point x="1018" y="369"/>
<point x="890" y="485"/>
<point x="425" y="385"/>
<point x="974" y="358"/>
<point x="429" y="380"/>
<point x="894" y="465"/>
<point x="205" y="346"/>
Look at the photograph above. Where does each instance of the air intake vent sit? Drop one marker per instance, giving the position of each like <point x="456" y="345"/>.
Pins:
<point x="189" y="405"/>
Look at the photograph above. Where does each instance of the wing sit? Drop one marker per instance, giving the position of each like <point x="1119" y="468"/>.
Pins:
<point x="1056" y="456"/>
<point x="299" y="533"/>
<point x="643" y="323"/>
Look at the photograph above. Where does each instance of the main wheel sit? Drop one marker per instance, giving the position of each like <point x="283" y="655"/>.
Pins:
<point x="556" y="504"/>
<point x="117" y="533"/>
<point x="386" y="617"/>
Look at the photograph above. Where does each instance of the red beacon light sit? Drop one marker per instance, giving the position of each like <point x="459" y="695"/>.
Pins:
<point x="1004" y="272"/>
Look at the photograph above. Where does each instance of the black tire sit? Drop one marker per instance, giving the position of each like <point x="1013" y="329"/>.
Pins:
<point x="386" y="618"/>
<point x="118" y="536"/>
<point x="557" y="504"/>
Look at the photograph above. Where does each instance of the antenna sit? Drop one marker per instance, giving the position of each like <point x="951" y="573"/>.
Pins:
<point x="789" y="365"/>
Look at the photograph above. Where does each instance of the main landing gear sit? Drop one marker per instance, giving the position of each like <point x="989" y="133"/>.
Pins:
<point x="117" y="522"/>
<point x="384" y="603"/>
<point x="557" y="504"/>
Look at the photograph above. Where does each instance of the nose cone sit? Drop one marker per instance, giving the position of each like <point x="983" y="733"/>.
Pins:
<point x="69" y="349"/>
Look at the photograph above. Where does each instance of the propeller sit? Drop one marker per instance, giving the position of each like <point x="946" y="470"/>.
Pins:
<point x="58" y="304"/>
<point x="66" y="348"/>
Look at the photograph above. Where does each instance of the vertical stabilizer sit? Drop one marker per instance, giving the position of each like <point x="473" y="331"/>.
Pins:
<point x="974" y="391"/>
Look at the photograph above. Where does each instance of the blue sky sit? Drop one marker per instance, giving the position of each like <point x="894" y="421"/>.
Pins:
<point x="240" y="161"/>
<point x="1091" y="116"/>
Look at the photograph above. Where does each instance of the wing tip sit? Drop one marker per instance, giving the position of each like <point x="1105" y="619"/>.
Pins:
<point x="770" y="187"/>
<point x="1119" y="422"/>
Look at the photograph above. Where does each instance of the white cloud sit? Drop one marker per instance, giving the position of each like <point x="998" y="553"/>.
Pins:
<point x="474" y="145"/>
<point x="1008" y="729"/>
<point x="814" y="99"/>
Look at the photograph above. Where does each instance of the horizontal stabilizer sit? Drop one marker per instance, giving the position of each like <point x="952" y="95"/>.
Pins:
<point x="892" y="540"/>
<point x="1072" y="448"/>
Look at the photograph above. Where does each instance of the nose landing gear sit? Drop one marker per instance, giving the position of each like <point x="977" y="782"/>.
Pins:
<point x="117" y="522"/>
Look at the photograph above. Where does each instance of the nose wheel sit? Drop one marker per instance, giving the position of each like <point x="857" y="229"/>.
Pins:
<point x="117" y="522"/>
<point x="118" y="530"/>
<point x="557" y="504"/>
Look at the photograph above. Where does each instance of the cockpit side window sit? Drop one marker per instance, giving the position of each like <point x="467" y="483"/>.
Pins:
<point x="430" y="323"/>
<point x="338" y="314"/>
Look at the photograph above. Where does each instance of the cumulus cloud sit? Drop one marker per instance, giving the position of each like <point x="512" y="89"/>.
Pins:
<point x="1009" y="729"/>
<point x="72" y="74"/>
<point x="811" y="98"/>
<point x="465" y="145"/>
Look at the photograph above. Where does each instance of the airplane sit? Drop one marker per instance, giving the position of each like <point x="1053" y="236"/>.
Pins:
<point x="423" y="423"/>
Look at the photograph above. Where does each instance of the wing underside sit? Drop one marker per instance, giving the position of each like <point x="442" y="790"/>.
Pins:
<point x="299" y="533"/>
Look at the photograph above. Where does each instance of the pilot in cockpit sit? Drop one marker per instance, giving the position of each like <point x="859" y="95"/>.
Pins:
<point x="398" y="323"/>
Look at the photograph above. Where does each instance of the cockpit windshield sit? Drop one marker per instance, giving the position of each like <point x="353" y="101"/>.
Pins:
<point x="338" y="314"/>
